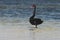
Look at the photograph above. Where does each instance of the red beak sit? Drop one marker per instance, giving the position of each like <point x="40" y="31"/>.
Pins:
<point x="33" y="5"/>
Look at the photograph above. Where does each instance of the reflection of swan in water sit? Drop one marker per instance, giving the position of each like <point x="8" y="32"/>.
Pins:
<point x="35" y="21"/>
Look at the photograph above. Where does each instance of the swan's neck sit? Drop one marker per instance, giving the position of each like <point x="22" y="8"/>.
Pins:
<point x="34" y="13"/>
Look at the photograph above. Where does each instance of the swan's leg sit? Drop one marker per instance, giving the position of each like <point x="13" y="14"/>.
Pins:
<point x="36" y="26"/>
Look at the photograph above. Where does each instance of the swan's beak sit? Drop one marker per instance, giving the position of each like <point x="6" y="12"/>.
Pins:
<point x="31" y="7"/>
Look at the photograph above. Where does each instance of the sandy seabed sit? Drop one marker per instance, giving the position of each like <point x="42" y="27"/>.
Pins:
<point x="27" y="34"/>
<point x="48" y="31"/>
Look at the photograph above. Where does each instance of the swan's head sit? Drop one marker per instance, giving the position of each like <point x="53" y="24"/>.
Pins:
<point x="33" y="5"/>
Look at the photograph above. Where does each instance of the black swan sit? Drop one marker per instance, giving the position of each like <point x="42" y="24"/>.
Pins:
<point x="35" y="21"/>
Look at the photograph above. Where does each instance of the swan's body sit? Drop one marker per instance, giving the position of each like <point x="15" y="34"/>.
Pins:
<point x="35" y="21"/>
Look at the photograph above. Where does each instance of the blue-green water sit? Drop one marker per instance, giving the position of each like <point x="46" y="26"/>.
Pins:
<point x="25" y="13"/>
<point x="48" y="11"/>
<point x="45" y="13"/>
